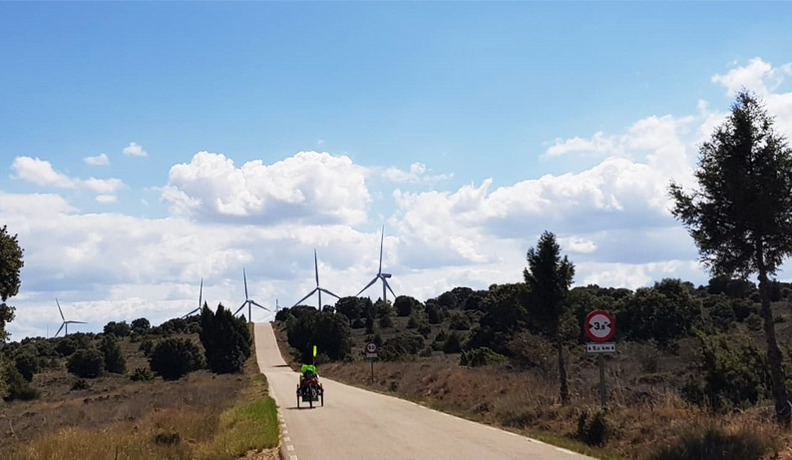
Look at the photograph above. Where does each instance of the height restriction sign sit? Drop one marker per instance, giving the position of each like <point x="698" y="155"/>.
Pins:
<point x="599" y="326"/>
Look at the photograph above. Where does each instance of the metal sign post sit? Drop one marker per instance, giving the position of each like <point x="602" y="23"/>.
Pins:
<point x="600" y="327"/>
<point x="371" y="353"/>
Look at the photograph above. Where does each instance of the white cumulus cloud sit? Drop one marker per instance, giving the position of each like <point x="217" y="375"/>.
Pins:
<point x="418" y="173"/>
<point x="758" y="76"/>
<point x="106" y="199"/>
<point x="134" y="149"/>
<point x="99" y="160"/>
<point x="308" y="187"/>
<point x="41" y="172"/>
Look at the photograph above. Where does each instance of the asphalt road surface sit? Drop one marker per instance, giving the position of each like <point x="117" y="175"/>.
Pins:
<point x="359" y="424"/>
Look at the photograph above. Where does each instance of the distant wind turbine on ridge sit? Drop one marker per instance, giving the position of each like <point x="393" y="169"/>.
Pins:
<point x="380" y="276"/>
<point x="65" y="323"/>
<point x="200" y="300"/>
<point x="248" y="301"/>
<point x="317" y="289"/>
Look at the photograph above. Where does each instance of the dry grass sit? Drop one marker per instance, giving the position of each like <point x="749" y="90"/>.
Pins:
<point x="645" y="412"/>
<point x="199" y="416"/>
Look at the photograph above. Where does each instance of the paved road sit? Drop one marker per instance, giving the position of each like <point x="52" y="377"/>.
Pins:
<point x="359" y="424"/>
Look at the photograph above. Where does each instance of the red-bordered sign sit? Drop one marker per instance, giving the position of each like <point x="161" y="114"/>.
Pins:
<point x="599" y="326"/>
<point x="371" y="347"/>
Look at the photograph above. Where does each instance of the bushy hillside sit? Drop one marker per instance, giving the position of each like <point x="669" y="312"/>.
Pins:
<point x="685" y="354"/>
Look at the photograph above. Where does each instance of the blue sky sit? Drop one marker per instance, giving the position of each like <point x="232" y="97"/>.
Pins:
<point x="465" y="128"/>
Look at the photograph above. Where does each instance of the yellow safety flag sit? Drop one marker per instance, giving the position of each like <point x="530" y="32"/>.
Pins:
<point x="314" y="351"/>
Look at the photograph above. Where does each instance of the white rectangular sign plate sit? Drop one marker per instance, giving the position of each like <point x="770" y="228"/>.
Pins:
<point x="606" y="347"/>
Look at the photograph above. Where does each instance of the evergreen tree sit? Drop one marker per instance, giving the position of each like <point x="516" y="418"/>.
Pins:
<point x="226" y="340"/>
<point x="741" y="215"/>
<point x="548" y="278"/>
<point x="113" y="359"/>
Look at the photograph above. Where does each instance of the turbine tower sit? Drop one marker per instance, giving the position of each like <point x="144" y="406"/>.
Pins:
<point x="317" y="289"/>
<point x="380" y="276"/>
<point x="200" y="299"/>
<point x="65" y="323"/>
<point x="248" y="301"/>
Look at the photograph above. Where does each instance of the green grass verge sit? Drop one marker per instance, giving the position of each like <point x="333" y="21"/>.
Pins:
<point x="251" y="424"/>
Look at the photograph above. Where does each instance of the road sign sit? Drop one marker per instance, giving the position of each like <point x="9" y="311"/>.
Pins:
<point x="599" y="326"/>
<point x="607" y="347"/>
<point x="371" y="350"/>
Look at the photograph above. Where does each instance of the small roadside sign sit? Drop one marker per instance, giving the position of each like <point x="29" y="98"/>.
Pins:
<point x="371" y="350"/>
<point x="606" y="347"/>
<point x="599" y="326"/>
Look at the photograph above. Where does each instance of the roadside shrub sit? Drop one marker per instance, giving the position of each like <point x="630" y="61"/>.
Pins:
<point x="593" y="430"/>
<point x="358" y="323"/>
<point x="71" y="343"/>
<point x="17" y="387"/>
<point x="533" y="351"/>
<point x="386" y="321"/>
<point x="174" y="358"/>
<point x="87" y="363"/>
<point x="141" y="374"/>
<point x="433" y="312"/>
<point x="121" y="329"/>
<point x="27" y="365"/>
<point x="329" y="332"/>
<point x="481" y="357"/>
<point x="145" y="347"/>
<point x="754" y="322"/>
<point x="80" y="384"/>
<point x="167" y="438"/>
<point x="439" y="341"/>
<point x="733" y="373"/>
<point x="140" y="325"/>
<point x="453" y="344"/>
<point x="226" y="340"/>
<point x="402" y="345"/>
<point x="712" y="442"/>
<point x="459" y="321"/>
<point x="114" y="361"/>
<point x="405" y="305"/>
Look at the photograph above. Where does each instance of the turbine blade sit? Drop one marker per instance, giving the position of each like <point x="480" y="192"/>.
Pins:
<point x="244" y="277"/>
<point x="76" y="322"/>
<point x="240" y="308"/>
<point x="309" y="295"/>
<point x="59" y="329"/>
<point x="389" y="288"/>
<point x="325" y="290"/>
<point x="382" y="240"/>
<point x="316" y="266"/>
<point x="200" y="295"/>
<point x="259" y="305"/>
<point x="368" y="285"/>
<point x="194" y="311"/>
<point x="59" y="309"/>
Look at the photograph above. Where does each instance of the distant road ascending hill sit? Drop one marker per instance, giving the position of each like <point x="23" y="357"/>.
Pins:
<point x="359" y="424"/>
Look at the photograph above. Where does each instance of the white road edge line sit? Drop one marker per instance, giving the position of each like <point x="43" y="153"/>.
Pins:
<point x="561" y="449"/>
<point x="290" y="447"/>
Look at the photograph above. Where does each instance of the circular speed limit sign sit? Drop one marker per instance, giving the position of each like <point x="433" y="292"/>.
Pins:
<point x="371" y="347"/>
<point x="599" y="326"/>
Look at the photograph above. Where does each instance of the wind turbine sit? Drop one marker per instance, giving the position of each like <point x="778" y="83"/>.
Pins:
<point x="248" y="301"/>
<point x="65" y="323"/>
<point x="317" y="289"/>
<point x="200" y="299"/>
<point x="380" y="276"/>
